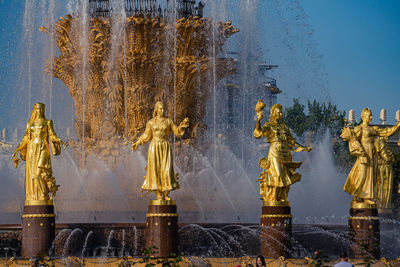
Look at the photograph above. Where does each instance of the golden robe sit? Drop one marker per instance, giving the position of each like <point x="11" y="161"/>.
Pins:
<point x="362" y="179"/>
<point x="280" y="169"/>
<point x="384" y="173"/>
<point x="35" y="149"/>
<point x="160" y="175"/>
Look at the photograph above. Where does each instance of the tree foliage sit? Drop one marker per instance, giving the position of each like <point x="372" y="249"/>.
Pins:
<point x="320" y="117"/>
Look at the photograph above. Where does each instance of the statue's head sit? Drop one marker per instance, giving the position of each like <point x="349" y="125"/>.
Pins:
<point x="37" y="111"/>
<point x="276" y="112"/>
<point x="366" y="115"/>
<point x="38" y="108"/>
<point x="158" y="109"/>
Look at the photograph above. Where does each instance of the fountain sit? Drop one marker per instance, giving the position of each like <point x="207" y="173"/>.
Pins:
<point x="113" y="60"/>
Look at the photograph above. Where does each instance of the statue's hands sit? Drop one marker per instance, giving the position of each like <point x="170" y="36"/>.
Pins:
<point x="16" y="161"/>
<point x="259" y="109"/>
<point x="303" y="148"/>
<point x="259" y="115"/>
<point x="134" y="146"/>
<point x="184" y="123"/>
<point x="62" y="143"/>
<point x="398" y="143"/>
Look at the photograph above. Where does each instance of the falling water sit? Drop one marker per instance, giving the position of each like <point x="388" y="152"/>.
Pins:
<point x="123" y="243"/>
<point x="110" y="236"/>
<point x="28" y="25"/>
<point x="86" y="243"/>
<point x="67" y="243"/>
<point x="51" y="17"/>
<point x="53" y="245"/>
<point x="135" y="241"/>
<point x="85" y="49"/>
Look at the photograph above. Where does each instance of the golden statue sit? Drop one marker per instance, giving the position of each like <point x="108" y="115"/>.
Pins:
<point x="362" y="180"/>
<point x="160" y="176"/>
<point x="34" y="148"/>
<point x="279" y="169"/>
<point x="385" y="173"/>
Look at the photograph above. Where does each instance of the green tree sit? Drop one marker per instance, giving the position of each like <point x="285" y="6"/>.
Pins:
<point x="295" y="117"/>
<point x="320" y="117"/>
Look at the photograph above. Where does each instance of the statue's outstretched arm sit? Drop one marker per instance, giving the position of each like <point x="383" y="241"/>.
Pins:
<point x="298" y="147"/>
<point x="180" y="130"/>
<point x="258" y="131"/>
<point x="388" y="131"/>
<point x="144" y="138"/>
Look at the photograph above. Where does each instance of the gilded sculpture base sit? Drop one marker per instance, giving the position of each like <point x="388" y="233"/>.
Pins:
<point x="39" y="202"/>
<point x="162" y="227"/>
<point x="38" y="230"/>
<point x="276" y="203"/>
<point x="362" y="205"/>
<point x="276" y="230"/>
<point x="162" y="202"/>
<point x="364" y="233"/>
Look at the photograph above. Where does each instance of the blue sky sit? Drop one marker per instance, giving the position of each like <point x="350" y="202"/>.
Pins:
<point x="360" y="44"/>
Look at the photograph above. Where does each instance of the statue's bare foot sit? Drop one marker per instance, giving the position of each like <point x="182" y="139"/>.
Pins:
<point x="166" y="197"/>
<point x="159" y="196"/>
<point x="369" y="201"/>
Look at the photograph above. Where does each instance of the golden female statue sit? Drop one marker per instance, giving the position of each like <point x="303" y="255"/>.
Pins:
<point x="34" y="148"/>
<point x="362" y="179"/>
<point x="160" y="176"/>
<point x="279" y="169"/>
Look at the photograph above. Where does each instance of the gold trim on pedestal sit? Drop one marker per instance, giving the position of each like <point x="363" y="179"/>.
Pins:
<point x="362" y="205"/>
<point x="276" y="216"/>
<point x="40" y="215"/>
<point x="385" y="211"/>
<point x="39" y="202"/>
<point x="363" y="218"/>
<point x="276" y="203"/>
<point x="162" y="202"/>
<point x="161" y="215"/>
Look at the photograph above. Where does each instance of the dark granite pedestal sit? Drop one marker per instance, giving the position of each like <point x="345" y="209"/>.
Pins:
<point x="364" y="233"/>
<point x="38" y="229"/>
<point x="276" y="229"/>
<point x="162" y="227"/>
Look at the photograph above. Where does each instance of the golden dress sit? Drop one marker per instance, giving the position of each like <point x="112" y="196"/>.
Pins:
<point x="280" y="169"/>
<point x="160" y="174"/>
<point x="385" y="173"/>
<point x="362" y="179"/>
<point x="35" y="149"/>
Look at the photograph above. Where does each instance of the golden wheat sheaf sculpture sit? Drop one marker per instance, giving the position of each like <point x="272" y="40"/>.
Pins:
<point x="115" y="85"/>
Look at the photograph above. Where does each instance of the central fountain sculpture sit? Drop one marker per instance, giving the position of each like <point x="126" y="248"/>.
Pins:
<point x="158" y="55"/>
